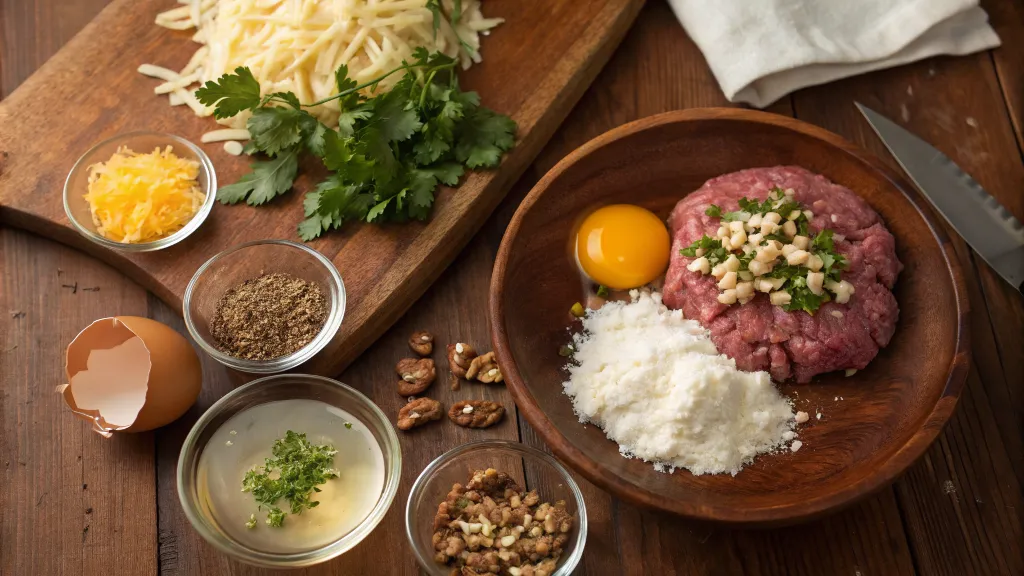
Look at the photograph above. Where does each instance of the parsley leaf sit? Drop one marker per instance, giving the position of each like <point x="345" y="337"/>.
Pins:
<point x="484" y="137"/>
<point x="276" y="129"/>
<point x="267" y="180"/>
<point x="714" y="211"/>
<point x="713" y="249"/>
<point x="231" y="94"/>
<point x="393" y="119"/>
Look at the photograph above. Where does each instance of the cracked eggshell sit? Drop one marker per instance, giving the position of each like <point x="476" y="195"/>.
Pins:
<point x="130" y="374"/>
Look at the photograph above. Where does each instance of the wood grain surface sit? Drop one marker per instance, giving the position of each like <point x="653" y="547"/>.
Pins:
<point x="535" y="73"/>
<point x="958" y="511"/>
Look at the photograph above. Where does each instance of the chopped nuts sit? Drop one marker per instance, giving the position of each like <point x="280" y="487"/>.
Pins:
<point x="728" y="296"/>
<point x="422" y="343"/>
<point x="747" y="246"/>
<point x="815" y="281"/>
<point x="797" y="257"/>
<point x="488" y="497"/>
<point x="418" y="412"/>
<point x="699" y="265"/>
<point x="727" y="281"/>
<point x="417" y="375"/>
<point x="814" y="262"/>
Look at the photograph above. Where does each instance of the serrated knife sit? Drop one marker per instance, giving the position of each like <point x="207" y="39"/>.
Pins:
<point x="984" y="223"/>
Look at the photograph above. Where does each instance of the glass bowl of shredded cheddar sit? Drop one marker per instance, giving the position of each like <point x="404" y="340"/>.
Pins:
<point x="140" y="191"/>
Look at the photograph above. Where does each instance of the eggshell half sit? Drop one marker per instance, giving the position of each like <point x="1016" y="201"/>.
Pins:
<point x="130" y="374"/>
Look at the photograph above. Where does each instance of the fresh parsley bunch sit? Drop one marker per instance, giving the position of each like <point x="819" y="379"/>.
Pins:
<point x="300" y="467"/>
<point x="388" y="154"/>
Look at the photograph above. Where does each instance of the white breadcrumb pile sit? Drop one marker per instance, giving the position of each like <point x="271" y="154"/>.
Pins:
<point x="657" y="386"/>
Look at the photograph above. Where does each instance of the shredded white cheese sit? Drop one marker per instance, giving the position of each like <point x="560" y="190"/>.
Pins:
<point x="296" y="45"/>
<point x="656" y="384"/>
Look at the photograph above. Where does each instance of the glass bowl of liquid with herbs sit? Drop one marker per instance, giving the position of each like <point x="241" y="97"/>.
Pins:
<point x="264" y="307"/>
<point x="289" y="470"/>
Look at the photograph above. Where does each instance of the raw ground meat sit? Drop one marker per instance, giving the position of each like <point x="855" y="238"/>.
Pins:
<point x="760" y="336"/>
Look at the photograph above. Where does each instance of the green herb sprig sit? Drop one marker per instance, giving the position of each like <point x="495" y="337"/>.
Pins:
<point x="300" y="467"/>
<point x="387" y="156"/>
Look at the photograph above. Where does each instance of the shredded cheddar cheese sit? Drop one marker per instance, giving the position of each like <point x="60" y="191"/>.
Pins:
<point x="143" y="197"/>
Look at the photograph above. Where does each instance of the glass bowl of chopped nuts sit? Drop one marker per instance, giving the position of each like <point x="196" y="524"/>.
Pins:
<point x="496" y="506"/>
<point x="264" y="307"/>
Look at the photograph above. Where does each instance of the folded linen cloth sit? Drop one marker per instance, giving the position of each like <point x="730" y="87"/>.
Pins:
<point x="761" y="50"/>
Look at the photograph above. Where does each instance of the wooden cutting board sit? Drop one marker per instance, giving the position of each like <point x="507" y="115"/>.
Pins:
<point x="536" y="66"/>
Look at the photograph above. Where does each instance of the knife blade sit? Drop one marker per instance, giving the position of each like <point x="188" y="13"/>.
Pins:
<point x="985" y="224"/>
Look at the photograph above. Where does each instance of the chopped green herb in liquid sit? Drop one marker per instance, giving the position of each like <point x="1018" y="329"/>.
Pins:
<point x="292" y="474"/>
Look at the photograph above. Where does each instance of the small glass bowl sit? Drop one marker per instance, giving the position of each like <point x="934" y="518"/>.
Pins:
<point x="77" y="184"/>
<point x="270" y="389"/>
<point x="243" y="262"/>
<point x="456" y="465"/>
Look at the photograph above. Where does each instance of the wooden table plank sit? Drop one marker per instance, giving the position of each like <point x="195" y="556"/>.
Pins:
<point x="971" y="126"/>
<point x="1007" y="17"/>
<point x="72" y="500"/>
<point x="981" y="447"/>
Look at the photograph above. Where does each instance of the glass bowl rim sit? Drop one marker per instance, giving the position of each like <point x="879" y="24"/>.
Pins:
<point x="308" y="557"/>
<point x="288" y="361"/>
<point x="205" y="167"/>
<point x="567" y="564"/>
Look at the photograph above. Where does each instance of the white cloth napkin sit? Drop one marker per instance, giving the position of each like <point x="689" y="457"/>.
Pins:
<point x="761" y="50"/>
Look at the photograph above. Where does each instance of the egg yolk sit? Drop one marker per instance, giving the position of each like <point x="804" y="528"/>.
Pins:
<point x="622" y="246"/>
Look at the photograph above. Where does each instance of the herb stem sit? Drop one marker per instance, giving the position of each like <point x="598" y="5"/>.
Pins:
<point x="344" y="93"/>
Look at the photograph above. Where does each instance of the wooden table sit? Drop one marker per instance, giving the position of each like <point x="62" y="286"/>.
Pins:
<point x="75" y="503"/>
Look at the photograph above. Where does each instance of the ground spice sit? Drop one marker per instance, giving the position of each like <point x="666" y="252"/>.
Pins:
<point x="268" y="317"/>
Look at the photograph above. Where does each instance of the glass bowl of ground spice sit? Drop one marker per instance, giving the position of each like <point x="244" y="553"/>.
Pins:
<point x="264" y="307"/>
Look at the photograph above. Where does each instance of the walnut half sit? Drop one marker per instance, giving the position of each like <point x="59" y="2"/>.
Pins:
<point x="417" y="375"/>
<point x="418" y="412"/>
<point x="476" y="413"/>
<point x="422" y="343"/>
<point x="460" y="356"/>
<point x="485" y="369"/>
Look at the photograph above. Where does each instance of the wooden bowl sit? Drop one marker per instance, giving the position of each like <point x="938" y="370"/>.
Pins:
<point x="873" y="425"/>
